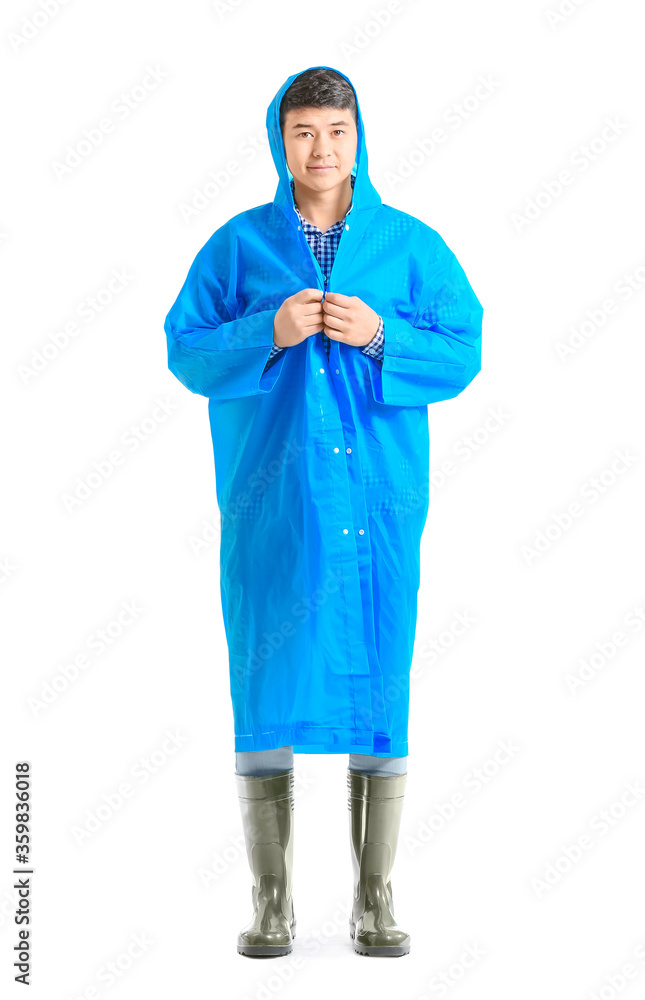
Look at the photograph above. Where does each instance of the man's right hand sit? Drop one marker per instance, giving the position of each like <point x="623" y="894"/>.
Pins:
<point x="298" y="317"/>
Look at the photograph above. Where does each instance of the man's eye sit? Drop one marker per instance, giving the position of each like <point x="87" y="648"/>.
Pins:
<point x="342" y="132"/>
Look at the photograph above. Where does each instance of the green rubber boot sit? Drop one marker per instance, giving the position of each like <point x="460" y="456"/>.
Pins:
<point x="375" y="806"/>
<point x="266" y="804"/>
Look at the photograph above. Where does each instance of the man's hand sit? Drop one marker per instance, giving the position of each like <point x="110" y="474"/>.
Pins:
<point x="298" y="317"/>
<point x="348" y="319"/>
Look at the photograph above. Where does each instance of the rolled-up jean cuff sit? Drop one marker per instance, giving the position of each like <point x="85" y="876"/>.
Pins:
<point x="384" y="766"/>
<point x="258" y="763"/>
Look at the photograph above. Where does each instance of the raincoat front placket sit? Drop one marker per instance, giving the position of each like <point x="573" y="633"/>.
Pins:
<point x="338" y="453"/>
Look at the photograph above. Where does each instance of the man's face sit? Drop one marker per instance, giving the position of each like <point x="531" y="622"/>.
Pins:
<point x="320" y="145"/>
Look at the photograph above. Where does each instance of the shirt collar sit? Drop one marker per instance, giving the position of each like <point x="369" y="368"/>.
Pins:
<point x="302" y="220"/>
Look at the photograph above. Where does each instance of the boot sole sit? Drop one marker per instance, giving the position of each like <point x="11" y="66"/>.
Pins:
<point x="264" y="950"/>
<point x="385" y="951"/>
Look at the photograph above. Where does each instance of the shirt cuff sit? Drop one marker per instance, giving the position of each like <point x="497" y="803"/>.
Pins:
<point x="275" y="350"/>
<point x="376" y="345"/>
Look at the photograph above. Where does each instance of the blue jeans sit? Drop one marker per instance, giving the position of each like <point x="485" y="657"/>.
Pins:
<point x="262" y="762"/>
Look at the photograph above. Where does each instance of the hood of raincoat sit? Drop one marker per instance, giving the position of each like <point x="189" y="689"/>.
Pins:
<point x="365" y="194"/>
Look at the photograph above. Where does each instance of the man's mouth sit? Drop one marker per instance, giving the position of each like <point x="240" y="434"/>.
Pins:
<point x="322" y="168"/>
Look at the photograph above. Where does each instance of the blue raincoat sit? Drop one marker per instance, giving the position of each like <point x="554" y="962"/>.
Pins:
<point x="322" y="467"/>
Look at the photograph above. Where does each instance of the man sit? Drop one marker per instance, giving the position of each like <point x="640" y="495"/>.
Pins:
<point x="320" y="326"/>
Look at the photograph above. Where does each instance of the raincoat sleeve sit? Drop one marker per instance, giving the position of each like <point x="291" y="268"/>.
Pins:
<point x="209" y="351"/>
<point x="439" y="353"/>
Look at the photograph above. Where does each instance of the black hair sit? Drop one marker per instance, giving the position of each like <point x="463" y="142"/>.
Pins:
<point x="319" y="88"/>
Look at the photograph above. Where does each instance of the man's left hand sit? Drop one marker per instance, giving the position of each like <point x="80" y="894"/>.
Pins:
<point x="348" y="319"/>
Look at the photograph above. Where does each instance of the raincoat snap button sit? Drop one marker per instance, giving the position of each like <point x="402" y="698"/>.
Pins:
<point x="322" y="371"/>
<point x="336" y="449"/>
<point x="348" y="450"/>
<point x="345" y="531"/>
<point x="337" y="372"/>
<point x="360" y="531"/>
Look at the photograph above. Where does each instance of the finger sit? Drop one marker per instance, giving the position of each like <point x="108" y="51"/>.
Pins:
<point x="333" y="334"/>
<point x="309" y="295"/>
<point x="315" y="322"/>
<point x="312" y="309"/>
<point x="334" y="323"/>
<point x="333" y="309"/>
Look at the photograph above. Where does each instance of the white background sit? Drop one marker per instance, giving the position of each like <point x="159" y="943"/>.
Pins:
<point x="470" y="879"/>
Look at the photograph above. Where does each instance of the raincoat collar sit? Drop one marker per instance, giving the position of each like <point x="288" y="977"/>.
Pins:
<point x="365" y="196"/>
